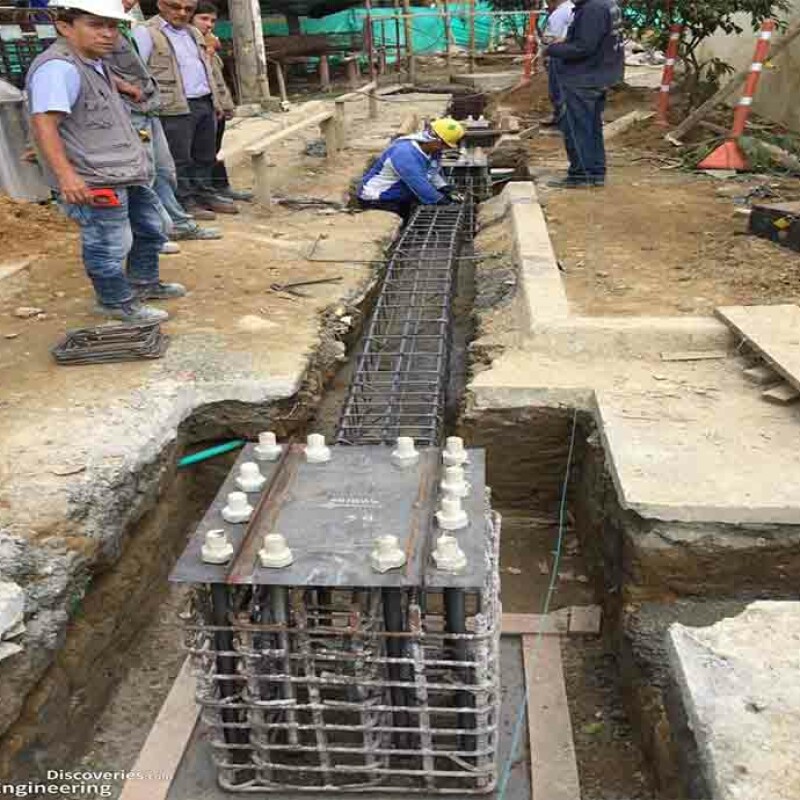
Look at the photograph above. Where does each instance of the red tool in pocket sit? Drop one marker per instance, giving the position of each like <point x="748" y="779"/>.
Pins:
<point x="106" y="198"/>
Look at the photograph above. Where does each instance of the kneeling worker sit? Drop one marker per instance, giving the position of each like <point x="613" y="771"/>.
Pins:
<point x="409" y="171"/>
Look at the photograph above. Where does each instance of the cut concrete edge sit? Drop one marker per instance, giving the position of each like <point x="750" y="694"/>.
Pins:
<point x="547" y="305"/>
<point x="540" y="280"/>
<point x="158" y="760"/>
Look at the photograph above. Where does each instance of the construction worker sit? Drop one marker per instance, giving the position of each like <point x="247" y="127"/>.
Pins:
<point x="588" y="62"/>
<point x="204" y="19"/>
<point x="558" y="19"/>
<point x="409" y="171"/>
<point x="140" y="93"/>
<point x="176" y="55"/>
<point x="96" y="161"/>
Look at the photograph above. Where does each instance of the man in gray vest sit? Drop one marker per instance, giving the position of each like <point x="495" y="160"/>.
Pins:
<point x="175" y="53"/>
<point x="139" y="92"/>
<point x="97" y="163"/>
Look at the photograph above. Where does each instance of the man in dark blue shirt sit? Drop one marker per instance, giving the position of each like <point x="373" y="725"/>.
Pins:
<point x="587" y="63"/>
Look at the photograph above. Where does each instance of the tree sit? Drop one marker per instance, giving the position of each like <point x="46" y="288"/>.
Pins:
<point x="700" y="19"/>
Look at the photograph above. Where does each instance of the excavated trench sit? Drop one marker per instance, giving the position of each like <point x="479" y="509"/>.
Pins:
<point x="95" y="705"/>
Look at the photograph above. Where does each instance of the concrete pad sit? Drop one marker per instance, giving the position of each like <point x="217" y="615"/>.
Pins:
<point x="696" y="455"/>
<point x="773" y="332"/>
<point x="738" y="684"/>
<point x="488" y="81"/>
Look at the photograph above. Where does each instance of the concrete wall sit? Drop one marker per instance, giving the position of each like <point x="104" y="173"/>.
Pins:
<point x="778" y="96"/>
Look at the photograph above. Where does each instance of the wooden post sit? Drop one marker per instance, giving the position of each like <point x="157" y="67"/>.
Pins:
<point x="341" y="121"/>
<point x="448" y="37"/>
<point x="249" y="51"/>
<point x="398" y="52"/>
<point x="328" y="130"/>
<point x="409" y="34"/>
<point x="372" y="99"/>
<point x="261" y="168"/>
<point x="281" y="82"/>
<point x="324" y="73"/>
<point x="370" y="41"/>
<point x="471" y="13"/>
<point x="351" y="68"/>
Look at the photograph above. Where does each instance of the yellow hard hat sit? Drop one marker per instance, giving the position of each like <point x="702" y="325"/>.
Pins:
<point x="449" y="130"/>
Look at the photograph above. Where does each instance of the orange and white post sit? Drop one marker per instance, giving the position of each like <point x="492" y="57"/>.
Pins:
<point x="531" y="47"/>
<point x="668" y="76"/>
<point x="730" y="155"/>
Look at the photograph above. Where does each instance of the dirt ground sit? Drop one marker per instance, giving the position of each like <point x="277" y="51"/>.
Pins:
<point x="657" y="239"/>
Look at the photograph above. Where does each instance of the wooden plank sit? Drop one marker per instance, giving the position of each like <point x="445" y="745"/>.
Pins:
<point x="163" y="750"/>
<point x="773" y="331"/>
<point x="554" y="770"/>
<point x="259" y="146"/>
<point x="585" y="620"/>
<point x="761" y="375"/>
<point x="782" y="394"/>
<point x="694" y="355"/>
<point x="553" y="624"/>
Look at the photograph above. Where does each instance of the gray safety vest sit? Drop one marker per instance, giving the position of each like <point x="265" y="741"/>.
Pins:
<point x="125" y="62"/>
<point x="98" y="136"/>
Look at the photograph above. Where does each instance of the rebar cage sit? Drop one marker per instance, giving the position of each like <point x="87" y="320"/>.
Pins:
<point x="392" y="690"/>
<point x="401" y="373"/>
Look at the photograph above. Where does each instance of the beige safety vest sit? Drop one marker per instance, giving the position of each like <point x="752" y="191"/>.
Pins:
<point x="163" y="65"/>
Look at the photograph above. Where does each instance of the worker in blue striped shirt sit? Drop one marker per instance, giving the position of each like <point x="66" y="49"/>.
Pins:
<point x="409" y="171"/>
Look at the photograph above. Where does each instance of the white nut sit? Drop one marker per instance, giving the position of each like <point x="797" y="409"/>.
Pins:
<point x="454" y="454"/>
<point x="451" y="517"/>
<point x="386" y="554"/>
<point x="449" y="557"/>
<point x="267" y="448"/>
<point x="453" y="484"/>
<point x="405" y="454"/>
<point x="316" y="450"/>
<point x="275" y="553"/>
<point x="250" y="478"/>
<point x="238" y="509"/>
<point x="216" y="549"/>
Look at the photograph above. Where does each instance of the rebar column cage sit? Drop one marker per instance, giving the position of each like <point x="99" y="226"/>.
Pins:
<point x="401" y="373"/>
<point x="318" y="689"/>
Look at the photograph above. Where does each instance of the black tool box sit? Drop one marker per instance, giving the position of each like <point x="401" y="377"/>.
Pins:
<point x="779" y="222"/>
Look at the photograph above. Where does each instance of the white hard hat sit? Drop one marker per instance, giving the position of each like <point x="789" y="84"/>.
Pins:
<point x="110" y="9"/>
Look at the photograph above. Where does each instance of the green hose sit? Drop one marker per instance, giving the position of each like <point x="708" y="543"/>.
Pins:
<point x="210" y="452"/>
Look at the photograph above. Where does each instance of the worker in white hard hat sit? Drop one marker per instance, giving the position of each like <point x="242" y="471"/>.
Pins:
<point x="96" y="162"/>
<point x="409" y="171"/>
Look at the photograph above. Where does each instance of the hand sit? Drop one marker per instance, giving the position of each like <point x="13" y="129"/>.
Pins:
<point x="457" y="197"/>
<point x="75" y="191"/>
<point x="228" y="115"/>
<point x="128" y="89"/>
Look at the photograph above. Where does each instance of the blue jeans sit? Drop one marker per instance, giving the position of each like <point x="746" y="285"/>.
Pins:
<point x="110" y="236"/>
<point x="581" y="122"/>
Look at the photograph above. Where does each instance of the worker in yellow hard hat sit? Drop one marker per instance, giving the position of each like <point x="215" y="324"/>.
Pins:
<point x="409" y="171"/>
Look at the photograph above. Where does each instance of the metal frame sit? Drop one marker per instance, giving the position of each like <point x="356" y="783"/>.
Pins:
<point x="401" y="374"/>
<point x="389" y="690"/>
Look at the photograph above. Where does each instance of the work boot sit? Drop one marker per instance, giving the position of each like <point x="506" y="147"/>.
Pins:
<point x="160" y="291"/>
<point x="229" y="193"/>
<point x="198" y="212"/>
<point x="574" y="182"/>
<point x="170" y="249"/>
<point x="193" y="231"/>
<point x="132" y="311"/>
<point x="219" y="205"/>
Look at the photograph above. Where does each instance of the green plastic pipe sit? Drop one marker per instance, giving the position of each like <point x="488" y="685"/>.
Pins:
<point x="210" y="452"/>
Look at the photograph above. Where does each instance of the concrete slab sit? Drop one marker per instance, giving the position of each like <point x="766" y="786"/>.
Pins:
<point x="773" y="332"/>
<point x="195" y="778"/>
<point x="488" y="81"/>
<point x="738" y="683"/>
<point x="691" y="456"/>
